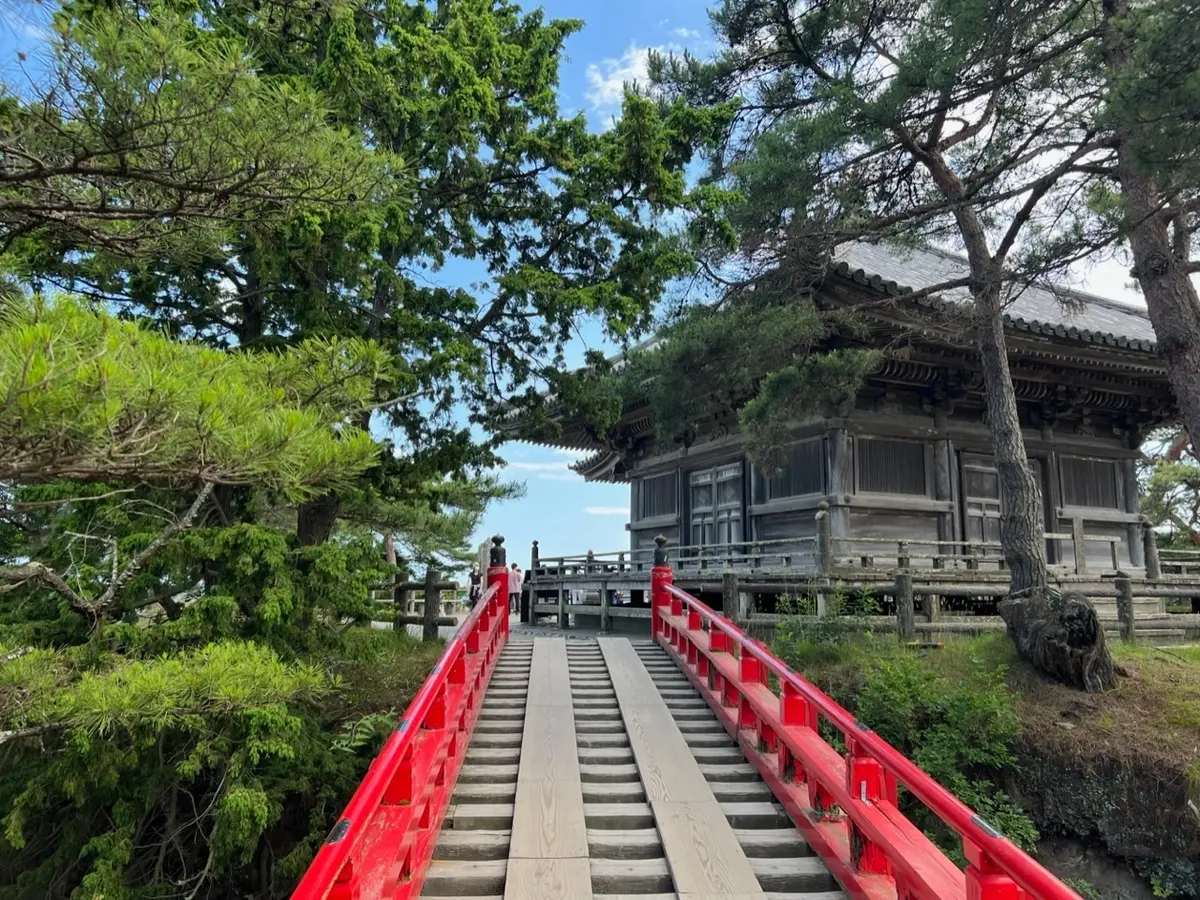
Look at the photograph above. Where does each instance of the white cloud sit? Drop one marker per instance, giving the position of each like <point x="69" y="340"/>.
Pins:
<point x="553" y="470"/>
<point x="686" y="33"/>
<point x="536" y="466"/>
<point x="608" y="78"/>
<point x="606" y="510"/>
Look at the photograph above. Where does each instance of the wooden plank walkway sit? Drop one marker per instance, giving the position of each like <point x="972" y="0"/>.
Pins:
<point x="703" y="853"/>
<point x="548" y="856"/>
<point x="598" y="773"/>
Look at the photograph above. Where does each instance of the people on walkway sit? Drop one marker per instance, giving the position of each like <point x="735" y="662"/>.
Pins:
<point x="514" y="588"/>
<point x="475" y="585"/>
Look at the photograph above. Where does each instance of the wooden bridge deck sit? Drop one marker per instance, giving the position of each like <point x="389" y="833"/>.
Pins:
<point x="597" y="770"/>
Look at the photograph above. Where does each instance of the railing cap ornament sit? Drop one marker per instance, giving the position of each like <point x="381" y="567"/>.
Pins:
<point x="498" y="556"/>
<point x="660" y="550"/>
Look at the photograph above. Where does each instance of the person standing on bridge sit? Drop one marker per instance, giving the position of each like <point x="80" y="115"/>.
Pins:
<point x="514" y="588"/>
<point x="475" y="582"/>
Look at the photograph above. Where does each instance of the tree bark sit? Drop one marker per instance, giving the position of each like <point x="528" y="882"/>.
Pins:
<point x="1161" y="266"/>
<point x="1060" y="634"/>
<point x="315" y="520"/>
<point x="1022" y="537"/>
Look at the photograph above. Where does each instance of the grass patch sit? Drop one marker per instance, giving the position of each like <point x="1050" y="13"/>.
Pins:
<point x="1152" y="716"/>
<point x="381" y="671"/>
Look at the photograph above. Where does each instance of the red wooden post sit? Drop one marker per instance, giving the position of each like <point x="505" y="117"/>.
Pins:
<point x="660" y="577"/>
<point x="986" y="880"/>
<point x="498" y="575"/>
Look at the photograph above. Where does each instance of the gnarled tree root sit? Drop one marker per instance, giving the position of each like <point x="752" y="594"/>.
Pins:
<point x="1062" y="636"/>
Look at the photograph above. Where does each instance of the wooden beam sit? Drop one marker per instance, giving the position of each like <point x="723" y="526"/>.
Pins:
<point x="702" y="851"/>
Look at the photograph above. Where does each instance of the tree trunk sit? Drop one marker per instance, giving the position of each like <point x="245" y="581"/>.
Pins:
<point x="1022" y="537"/>
<point x="1160" y="265"/>
<point x="1061" y="635"/>
<point x="315" y="520"/>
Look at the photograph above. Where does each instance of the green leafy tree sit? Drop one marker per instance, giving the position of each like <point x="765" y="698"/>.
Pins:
<point x="152" y="134"/>
<point x="88" y="397"/>
<point x="1151" y="90"/>
<point x="556" y="224"/>
<point x="1170" y="481"/>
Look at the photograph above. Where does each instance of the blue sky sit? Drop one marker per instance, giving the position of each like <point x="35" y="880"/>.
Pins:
<point x="561" y="511"/>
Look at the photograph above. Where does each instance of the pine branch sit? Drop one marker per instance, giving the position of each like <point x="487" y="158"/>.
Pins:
<point x="161" y="539"/>
<point x="30" y="731"/>
<point x="35" y="571"/>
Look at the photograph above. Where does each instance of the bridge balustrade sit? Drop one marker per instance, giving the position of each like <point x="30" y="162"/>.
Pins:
<point x="846" y="805"/>
<point x="383" y="842"/>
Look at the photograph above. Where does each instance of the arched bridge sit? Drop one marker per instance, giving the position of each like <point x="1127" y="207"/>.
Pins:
<point x="691" y="764"/>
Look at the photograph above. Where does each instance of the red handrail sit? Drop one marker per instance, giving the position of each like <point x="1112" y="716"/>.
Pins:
<point x="875" y="851"/>
<point x="383" y="841"/>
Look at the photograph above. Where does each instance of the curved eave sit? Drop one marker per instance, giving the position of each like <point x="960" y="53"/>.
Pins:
<point x="603" y="465"/>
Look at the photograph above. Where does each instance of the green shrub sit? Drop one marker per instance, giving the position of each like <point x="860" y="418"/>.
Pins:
<point x="958" y="723"/>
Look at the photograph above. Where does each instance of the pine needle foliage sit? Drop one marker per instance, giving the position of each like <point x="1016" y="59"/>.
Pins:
<point x="88" y="397"/>
<point x="764" y="359"/>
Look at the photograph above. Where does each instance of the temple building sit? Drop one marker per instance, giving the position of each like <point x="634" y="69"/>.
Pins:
<point x="910" y="458"/>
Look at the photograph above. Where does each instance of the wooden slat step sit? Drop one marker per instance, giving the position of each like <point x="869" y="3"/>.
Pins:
<point x="602" y="740"/>
<point x="637" y="843"/>
<point x="480" y="816"/>
<point x="502" y="756"/>
<point x="478" y="845"/>
<point x="485" y="793"/>
<point x="614" y="793"/>
<point x="633" y="876"/>
<point x="772" y="842"/>
<point x="610" y="773"/>
<point x="464" y="878"/>
<point x="799" y="875"/>
<point x="473" y="773"/>
<point x="618" y="816"/>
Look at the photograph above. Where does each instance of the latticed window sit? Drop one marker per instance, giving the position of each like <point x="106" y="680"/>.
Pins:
<point x="1089" y="482"/>
<point x="891" y="467"/>
<point x="657" y="496"/>
<point x="801" y="472"/>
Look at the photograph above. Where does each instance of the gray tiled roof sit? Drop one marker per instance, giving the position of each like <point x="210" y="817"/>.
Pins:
<point x="1052" y="311"/>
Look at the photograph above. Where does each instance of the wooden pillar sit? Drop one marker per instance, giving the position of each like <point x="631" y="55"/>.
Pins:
<point x="1125" y="618"/>
<point x="943" y="489"/>
<point x="400" y="599"/>
<point x="605" y="605"/>
<point x="729" y="592"/>
<point x="1150" y="550"/>
<point x="905" y="612"/>
<point x="564" y="620"/>
<point x="824" y="538"/>
<point x="1077" y="544"/>
<point x="432" y="604"/>
<point x="933" y="606"/>
<point x="841" y="485"/>
<point x="1134" y="532"/>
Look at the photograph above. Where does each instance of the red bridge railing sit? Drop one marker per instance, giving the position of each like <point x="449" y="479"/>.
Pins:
<point x="382" y="843"/>
<point x="845" y="805"/>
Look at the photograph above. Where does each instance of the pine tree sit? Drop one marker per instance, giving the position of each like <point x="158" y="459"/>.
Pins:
<point x="903" y="123"/>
